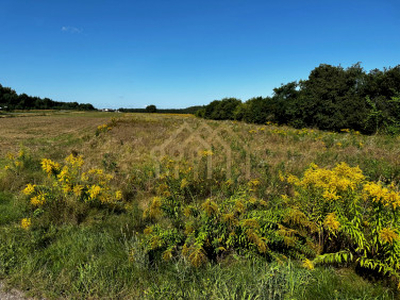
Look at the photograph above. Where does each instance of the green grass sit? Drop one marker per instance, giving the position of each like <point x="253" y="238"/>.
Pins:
<point x="93" y="262"/>
<point x="10" y="210"/>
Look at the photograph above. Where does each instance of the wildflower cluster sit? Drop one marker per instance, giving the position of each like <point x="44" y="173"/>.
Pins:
<point x="351" y="131"/>
<point x="16" y="162"/>
<point x="387" y="196"/>
<point x="279" y="131"/>
<point x="103" y="128"/>
<point x="359" y="219"/>
<point x="305" y="132"/>
<point x="331" y="184"/>
<point x="50" y="167"/>
<point x="68" y="183"/>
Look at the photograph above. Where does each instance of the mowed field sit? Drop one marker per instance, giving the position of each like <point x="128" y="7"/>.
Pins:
<point x="39" y="129"/>
<point x="111" y="205"/>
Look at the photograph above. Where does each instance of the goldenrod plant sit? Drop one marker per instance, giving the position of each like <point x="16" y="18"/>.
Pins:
<point x="68" y="186"/>
<point x="16" y="162"/>
<point x="356" y="220"/>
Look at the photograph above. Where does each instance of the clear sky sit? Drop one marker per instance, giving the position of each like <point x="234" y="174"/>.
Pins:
<point x="178" y="53"/>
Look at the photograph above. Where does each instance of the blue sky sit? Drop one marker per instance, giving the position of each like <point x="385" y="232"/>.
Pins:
<point x="178" y="53"/>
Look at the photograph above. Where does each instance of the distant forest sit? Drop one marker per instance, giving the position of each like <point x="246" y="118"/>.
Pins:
<point x="332" y="98"/>
<point x="10" y="100"/>
<point x="153" y="109"/>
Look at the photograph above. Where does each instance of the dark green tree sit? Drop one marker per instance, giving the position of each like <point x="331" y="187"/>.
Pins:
<point x="221" y="109"/>
<point x="151" y="109"/>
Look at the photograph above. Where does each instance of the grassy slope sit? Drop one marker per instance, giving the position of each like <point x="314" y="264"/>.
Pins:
<point x="102" y="256"/>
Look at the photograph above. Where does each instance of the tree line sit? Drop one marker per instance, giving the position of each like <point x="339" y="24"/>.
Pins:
<point x="332" y="98"/>
<point x="154" y="109"/>
<point x="10" y="100"/>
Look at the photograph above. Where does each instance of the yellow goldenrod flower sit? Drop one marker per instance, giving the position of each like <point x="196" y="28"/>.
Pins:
<point x="84" y="177"/>
<point x="103" y="128"/>
<point x="331" y="222"/>
<point x="388" y="235"/>
<point x="30" y="189"/>
<point x="26" y="223"/>
<point x="38" y="200"/>
<point x="308" y="264"/>
<point x="75" y="161"/>
<point x="77" y="189"/>
<point x="64" y="175"/>
<point x="330" y="195"/>
<point x="118" y="195"/>
<point x="94" y="191"/>
<point x="66" y="188"/>
<point x="281" y="177"/>
<point x="378" y="193"/>
<point x="96" y="171"/>
<point x="292" y="179"/>
<point x="10" y="156"/>
<point x="49" y="166"/>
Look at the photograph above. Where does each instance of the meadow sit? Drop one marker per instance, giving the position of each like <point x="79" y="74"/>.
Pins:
<point x="162" y="206"/>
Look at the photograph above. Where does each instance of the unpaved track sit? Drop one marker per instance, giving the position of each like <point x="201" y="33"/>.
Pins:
<point x="11" y="295"/>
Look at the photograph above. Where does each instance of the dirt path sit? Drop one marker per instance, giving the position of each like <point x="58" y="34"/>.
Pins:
<point x="10" y="295"/>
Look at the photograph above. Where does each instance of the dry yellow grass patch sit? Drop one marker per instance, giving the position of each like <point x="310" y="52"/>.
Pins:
<point x="21" y="130"/>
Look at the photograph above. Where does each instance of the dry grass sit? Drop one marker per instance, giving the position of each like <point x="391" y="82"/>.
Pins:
<point x="28" y="130"/>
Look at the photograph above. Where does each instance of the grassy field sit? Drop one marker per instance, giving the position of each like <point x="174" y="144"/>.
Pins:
<point x="122" y="206"/>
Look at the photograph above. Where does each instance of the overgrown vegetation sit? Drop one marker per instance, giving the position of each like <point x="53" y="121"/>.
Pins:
<point x="332" y="98"/>
<point x="220" y="210"/>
